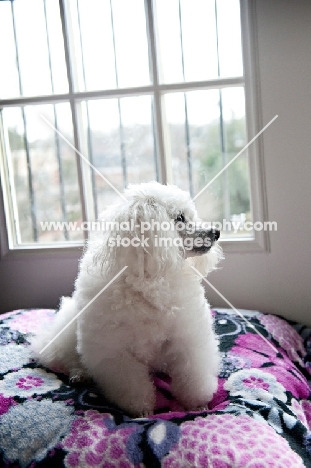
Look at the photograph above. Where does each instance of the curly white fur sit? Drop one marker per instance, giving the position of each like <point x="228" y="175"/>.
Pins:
<point x="152" y="317"/>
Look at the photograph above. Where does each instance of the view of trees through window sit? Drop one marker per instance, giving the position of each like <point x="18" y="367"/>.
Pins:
<point x="116" y="110"/>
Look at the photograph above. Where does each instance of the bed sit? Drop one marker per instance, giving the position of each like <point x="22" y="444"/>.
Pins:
<point x="260" y="416"/>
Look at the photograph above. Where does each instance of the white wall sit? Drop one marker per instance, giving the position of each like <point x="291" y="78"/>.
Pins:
<point x="276" y="282"/>
<point x="280" y="281"/>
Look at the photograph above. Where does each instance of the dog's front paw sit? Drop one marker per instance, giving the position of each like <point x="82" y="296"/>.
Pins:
<point x="194" y="396"/>
<point x="139" y="407"/>
<point x="144" y="415"/>
<point x="78" y="376"/>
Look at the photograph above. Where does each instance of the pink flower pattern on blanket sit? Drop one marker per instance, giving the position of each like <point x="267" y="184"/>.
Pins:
<point x="30" y="320"/>
<point x="252" y="348"/>
<point x="286" y="335"/>
<point x="226" y="441"/>
<point x="258" y="382"/>
<point x="92" y="443"/>
<point x="29" y="381"/>
<point x="259" y="417"/>
<point x="255" y="384"/>
<point x="5" y="404"/>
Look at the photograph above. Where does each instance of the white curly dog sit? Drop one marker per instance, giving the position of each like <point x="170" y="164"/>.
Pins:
<point x="152" y="317"/>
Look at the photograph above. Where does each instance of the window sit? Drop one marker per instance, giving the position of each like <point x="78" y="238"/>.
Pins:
<point x="143" y="90"/>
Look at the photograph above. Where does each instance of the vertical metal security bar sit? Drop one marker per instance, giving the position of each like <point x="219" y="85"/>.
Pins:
<point x="187" y="130"/>
<point x="91" y="158"/>
<point x="121" y="129"/>
<point x="154" y="80"/>
<point x="165" y="168"/>
<point x="5" y="150"/>
<point x="226" y="195"/>
<point x="27" y="150"/>
<point x="89" y="133"/>
<point x="57" y="142"/>
<point x="165" y="173"/>
<point x="75" y="118"/>
<point x="156" y="164"/>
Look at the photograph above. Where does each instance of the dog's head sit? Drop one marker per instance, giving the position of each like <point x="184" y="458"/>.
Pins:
<point x="156" y="228"/>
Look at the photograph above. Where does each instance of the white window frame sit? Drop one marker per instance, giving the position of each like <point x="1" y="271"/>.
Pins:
<point x="260" y="240"/>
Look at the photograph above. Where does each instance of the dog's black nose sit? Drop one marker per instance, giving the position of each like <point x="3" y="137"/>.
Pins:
<point x="214" y="234"/>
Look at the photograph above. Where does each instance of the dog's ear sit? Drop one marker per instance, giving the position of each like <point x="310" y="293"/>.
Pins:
<point x="160" y="248"/>
<point x="108" y="245"/>
<point x="139" y="234"/>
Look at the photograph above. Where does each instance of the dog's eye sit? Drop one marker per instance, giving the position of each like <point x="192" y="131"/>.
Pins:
<point x="180" y="219"/>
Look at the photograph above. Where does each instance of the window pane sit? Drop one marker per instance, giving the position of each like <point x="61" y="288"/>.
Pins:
<point x="110" y="43"/>
<point x="38" y="57"/>
<point x="236" y="177"/>
<point x="192" y="139"/>
<point x="206" y="130"/>
<point x="93" y="44"/>
<point x="198" y="39"/>
<point x="131" y="42"/>
<point x="9" y="85"/>
<point x="56" y="48"/>
<point x="121" y="144"/>
<point x="229" y="38"/>
<point x="137" y="120"/>
<point x="32" y="47"/>
<point x="44" y="180"/>
<point x="168" y="29"/>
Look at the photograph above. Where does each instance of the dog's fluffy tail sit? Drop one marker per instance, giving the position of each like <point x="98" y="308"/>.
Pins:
<point x="55" y="345"/>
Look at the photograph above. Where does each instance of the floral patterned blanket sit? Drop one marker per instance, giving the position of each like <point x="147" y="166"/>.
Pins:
<point x="260" y="416"/>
